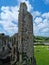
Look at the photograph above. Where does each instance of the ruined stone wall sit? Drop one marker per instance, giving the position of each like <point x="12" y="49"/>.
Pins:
<point x="29" y="34"/>
<point x="14" y="50"/>
<point x="25" y="31"/>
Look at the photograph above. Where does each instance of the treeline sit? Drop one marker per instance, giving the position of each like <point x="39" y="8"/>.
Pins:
<point x="41" y="39"/>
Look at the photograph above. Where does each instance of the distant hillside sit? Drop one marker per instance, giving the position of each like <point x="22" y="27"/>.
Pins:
<point x="41" y="39"/>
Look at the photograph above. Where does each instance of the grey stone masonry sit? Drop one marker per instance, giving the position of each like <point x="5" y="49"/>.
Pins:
<point x="25" y="36"/>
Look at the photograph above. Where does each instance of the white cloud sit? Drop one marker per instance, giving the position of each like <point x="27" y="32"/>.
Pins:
<point x="41" y="24"/>
<point x="36" y="13"/>
<point x="46" y="1"/>
<point x="45" y="15"/>
<point x="38" y="20"/>
<point x="8" y="15"/>
<point x="45" y="30"/>
<point x="9" y="27"/>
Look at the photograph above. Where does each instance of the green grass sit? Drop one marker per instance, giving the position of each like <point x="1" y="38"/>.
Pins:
<point x="41" y="55"/>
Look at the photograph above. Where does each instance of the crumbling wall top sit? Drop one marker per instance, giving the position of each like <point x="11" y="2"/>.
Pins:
<point x="23" y="6"/>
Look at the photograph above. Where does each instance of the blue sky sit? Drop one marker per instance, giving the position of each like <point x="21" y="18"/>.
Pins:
<point x="9" y="16"/>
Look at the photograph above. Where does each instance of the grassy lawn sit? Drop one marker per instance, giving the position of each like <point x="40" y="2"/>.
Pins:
<point x="41" y="55"/>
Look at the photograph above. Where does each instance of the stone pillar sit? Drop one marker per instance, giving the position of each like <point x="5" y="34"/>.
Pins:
<point x="21" y="30"/>
<point x="25" y="33"/>
<point x="14" y="51"/>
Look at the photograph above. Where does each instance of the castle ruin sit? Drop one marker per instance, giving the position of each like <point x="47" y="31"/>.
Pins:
<point x="25" y="36"/>
<point x="22" y="48"/>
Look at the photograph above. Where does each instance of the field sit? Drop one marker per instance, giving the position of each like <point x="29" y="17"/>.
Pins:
<point x="41" y="54"/>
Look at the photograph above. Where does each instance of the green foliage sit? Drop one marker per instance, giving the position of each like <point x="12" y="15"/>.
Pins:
<point x="41" y="39"/>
